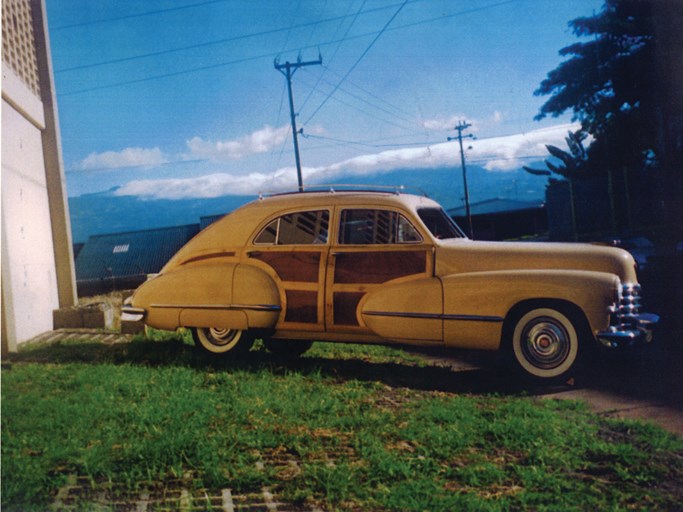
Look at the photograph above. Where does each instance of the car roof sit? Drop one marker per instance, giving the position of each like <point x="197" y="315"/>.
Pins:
<point x="236" y="228"/>
<point x="343" y="197"/>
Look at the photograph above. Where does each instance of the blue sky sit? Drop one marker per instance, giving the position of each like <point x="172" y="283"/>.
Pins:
<point x="180" y="98"/>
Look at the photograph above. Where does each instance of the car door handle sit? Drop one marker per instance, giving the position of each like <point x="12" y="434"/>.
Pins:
<point x="254" y="254"/>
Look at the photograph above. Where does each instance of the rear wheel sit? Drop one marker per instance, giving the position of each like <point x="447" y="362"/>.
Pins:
<point x="222" y="341"/>
<point x="287" y="348"/>
<point x="545" y="343"/>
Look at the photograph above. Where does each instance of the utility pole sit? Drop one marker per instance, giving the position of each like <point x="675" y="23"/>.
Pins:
<point x="460" y="127"/>
<point x="288" y="69"/>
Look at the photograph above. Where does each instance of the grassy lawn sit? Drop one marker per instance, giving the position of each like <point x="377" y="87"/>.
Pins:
<point x="344" y="428"/>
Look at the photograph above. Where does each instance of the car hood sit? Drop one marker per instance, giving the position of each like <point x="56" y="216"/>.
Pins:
<point x="463" y="256"/>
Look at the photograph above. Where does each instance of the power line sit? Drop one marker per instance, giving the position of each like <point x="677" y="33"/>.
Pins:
<point x="204" y="68"/>
<point x="402" y="118"/>
<point x="371" y="94"/>
<point x="401" y="27"/>
<point x="334" y="54"/>
<point x="367" y="144"/>
<point x="139" y="15"/>
<point x="220" y="41"/>
<point x="268" y="55"/>
<point x="277" y="123"/>
<point x="367" y="113"/>
<point x="384" y="28"/>
<point x="165" y="75"/>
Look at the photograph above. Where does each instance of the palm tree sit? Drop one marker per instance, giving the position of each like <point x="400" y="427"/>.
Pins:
<point x="572" y="167"/>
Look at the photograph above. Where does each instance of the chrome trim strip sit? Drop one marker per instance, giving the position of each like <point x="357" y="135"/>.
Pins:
<point x="252" y="307"/>
<point x="132" y="311"/>
<point x="436" y="316"/>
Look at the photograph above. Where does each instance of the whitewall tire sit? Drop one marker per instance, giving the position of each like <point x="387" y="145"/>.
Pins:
<point x="545" y="343"/>
<point x="222" y="341"/>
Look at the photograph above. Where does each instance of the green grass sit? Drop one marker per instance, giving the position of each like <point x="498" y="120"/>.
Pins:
<point x="331" y="430"/>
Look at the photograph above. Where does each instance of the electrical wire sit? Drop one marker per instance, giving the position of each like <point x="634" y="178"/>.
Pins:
<point x="373" y="95"/>
<point x="221" y="41"/>
<point x="408" y="119"/>
<point x="334" y="54"/>
<point x="372" y="116"/>
<point x="405" y="127"/>
<point x="384" y="28"/>
<point x="369" y="145"/>
<point x="139" y="15"/>
<point x="267" y="55"/>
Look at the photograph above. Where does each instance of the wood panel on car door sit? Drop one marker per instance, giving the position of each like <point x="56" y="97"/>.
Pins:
<point x="353" y="272"/>
<point x="301" y="276"/>
<point x="293" y="248"/>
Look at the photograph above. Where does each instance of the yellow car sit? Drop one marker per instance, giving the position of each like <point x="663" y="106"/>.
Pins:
<point x="389" y="267"/>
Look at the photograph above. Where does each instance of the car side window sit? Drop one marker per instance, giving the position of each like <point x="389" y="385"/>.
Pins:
<point x="300" y="228"/>
<point x="366" y="226"/>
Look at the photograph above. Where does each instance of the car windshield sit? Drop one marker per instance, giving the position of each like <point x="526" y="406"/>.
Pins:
<point x="440" y="223"/>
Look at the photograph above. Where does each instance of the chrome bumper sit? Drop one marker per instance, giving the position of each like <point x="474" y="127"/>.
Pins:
<point x="131" y="314"/>
<point x="638" y="330"/>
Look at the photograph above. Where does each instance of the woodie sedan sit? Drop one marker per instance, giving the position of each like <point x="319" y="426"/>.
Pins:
<point x="392" y="268"/>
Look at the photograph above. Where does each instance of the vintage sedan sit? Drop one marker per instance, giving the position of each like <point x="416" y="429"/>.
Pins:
<point x="392" y="268"/>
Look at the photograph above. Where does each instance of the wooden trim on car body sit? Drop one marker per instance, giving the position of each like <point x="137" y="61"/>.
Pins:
<point x="454" y="299"/>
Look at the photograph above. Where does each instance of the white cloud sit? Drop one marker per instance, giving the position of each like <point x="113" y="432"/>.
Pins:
<point x="260" y="141"/>
<point x="497" y="117"/>
<point x="494" y="154"/>
<point x="129" y="157"/>
<point x="476" y="125"/>
<point x="442" y="124"/>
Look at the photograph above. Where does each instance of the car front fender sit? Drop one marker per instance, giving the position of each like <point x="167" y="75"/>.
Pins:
<point x="405" y="311"/>
<point x="477" y="304"/>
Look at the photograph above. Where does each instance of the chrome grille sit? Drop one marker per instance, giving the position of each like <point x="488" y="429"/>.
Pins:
<point x="628" y="307"/>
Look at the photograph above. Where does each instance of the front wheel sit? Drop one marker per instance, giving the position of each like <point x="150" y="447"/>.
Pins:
<point x="545" y="343"/>
<point x="222" y="341"/>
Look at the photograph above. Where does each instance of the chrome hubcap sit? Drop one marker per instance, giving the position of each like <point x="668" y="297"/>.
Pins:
<point x="222" y="337"/>
<point x="546" y="343"/>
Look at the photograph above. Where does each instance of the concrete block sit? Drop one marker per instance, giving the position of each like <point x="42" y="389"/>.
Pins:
<point x="128" y="327"/>
<point x="97" y="316"/>
<point x="67" y="318"/>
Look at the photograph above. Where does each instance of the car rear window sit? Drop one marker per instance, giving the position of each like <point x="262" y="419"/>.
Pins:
<point x="300" y="228"/>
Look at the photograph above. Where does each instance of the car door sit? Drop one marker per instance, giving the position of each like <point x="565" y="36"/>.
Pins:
<point x="293" y="249"/>
<point x="372" y="246"/>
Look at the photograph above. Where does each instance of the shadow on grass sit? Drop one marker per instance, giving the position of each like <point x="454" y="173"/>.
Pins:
<point x="491" y="378"/>
<point x="646" y="375"/>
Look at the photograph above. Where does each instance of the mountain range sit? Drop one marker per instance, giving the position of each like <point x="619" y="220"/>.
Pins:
<point x="108" y="212"/>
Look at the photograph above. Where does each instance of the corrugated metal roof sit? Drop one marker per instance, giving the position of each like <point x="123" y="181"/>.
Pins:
<point x="132" y="253"/>
<point x="207" y="220"/>
<point x="496" y="205"/>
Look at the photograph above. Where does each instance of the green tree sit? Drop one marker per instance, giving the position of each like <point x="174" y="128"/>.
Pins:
<point x="608" y="83"/>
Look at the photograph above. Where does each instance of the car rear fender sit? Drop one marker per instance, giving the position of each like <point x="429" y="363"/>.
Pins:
<point x="222" y="295"/>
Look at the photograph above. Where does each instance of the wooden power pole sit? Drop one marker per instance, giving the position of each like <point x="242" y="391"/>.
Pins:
<point x="288" y="69"/>
<point x="460" y="127"/>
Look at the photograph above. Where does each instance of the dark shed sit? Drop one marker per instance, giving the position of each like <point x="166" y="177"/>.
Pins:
<point x="123" y="260"/>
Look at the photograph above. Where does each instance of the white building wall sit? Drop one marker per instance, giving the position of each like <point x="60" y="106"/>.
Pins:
<point x="37" y="258"/>
<point x="32" y="286"/>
